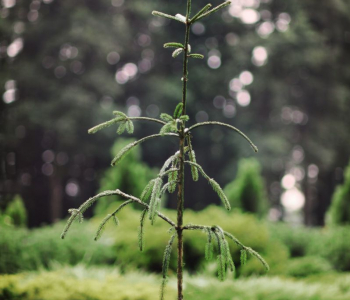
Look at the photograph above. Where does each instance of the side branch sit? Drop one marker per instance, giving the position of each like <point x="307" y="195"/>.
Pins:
<point x="255" y="148"/>
<point x="248" y="249"/>
<point x="137" y="200"/>
<point x="127" y="148"/>
<point x="216" y="187"/>
<point x="195" y="227"/>
<point x="222" y="234"/>
<point x="147" y="119"/>
<point x="77" y="213"/>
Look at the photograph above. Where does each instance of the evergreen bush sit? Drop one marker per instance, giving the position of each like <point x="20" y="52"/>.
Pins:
<point x="333" y="244"/>
<point x="81" y="283"/>
<point x="15" y="213"/>
<point x="307" y="266"/>
<point x="173" y="126"/>
<point x="26" y="250"/>
<point x="247" y="191"/>
<point x="298" y="240"/>
<point x="339" y="210"/>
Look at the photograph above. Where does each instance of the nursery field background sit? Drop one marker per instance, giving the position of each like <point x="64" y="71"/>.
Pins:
<point x="276" y="69"/>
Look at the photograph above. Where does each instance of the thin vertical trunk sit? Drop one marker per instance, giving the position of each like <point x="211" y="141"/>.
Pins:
<point x="180" y="195"/>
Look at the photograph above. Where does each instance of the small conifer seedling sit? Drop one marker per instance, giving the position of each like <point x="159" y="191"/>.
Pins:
<point x="171" y="175"/>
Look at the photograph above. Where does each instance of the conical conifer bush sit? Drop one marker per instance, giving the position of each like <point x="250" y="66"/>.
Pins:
<point x="171" y="176"/>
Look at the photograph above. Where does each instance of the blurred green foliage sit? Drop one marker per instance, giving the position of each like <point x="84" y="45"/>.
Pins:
<point x="247" y="191"/>
<point x="339" y="210"/>
<point x="271" y="288"/>
<point x="297" y="239"/>
<point x="15" y="213"/>
<point x="24" y="250"/>
<point x="308" y="265"/>
<point x="131" y="175"/>
<point x="75" y="50"/>
<point x="332" y="243"/>
<point x="81" y="283"/>
<point x="245" y="227"/>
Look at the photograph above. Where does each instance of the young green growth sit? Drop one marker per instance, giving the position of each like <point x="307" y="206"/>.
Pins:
<point x="174" y="169"/>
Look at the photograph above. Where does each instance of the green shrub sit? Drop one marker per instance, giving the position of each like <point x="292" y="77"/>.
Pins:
<point x="267" y="288"/>
<point x="247" y="191"/>
<point x="333" y="244"/>
<point x="245" y="227"/>
<point x="297" y="239"/>
<point x="15" y="213"/>
<point x="308" y="265"/>
<point x="339" y="210"/>
<point x="79" y="283"/>
<point x="23" y="249"/>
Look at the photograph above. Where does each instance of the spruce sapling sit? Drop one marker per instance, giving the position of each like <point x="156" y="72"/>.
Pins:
<point x="174" y="126"/>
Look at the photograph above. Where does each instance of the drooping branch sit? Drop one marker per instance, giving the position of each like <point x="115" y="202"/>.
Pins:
<point x="82" y="208"/>
<point x="166" y="186"/>
<point x="75" y="213"/>
<point x="127" y="148"/>
<point x="169" y="171"/>
<point x="216" y="187"/>
<point x="255" y="148"/>
<point x="248" y="249"/>
<point x="147" y="119"/>
<point x="192" y="157"/>
<point x="137" y="200"/>
<point x="165" y="265"/>
<point x="105" y="125"/>
<point x="219" y="233"/>
<point x="125" y="123"/>
<point x="195" y="227"/>
<point x="110" y="216"/>
<point x="141" y="230"/>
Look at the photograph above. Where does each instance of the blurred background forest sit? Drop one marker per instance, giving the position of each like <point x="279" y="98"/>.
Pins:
<point x="276" y="69"/>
